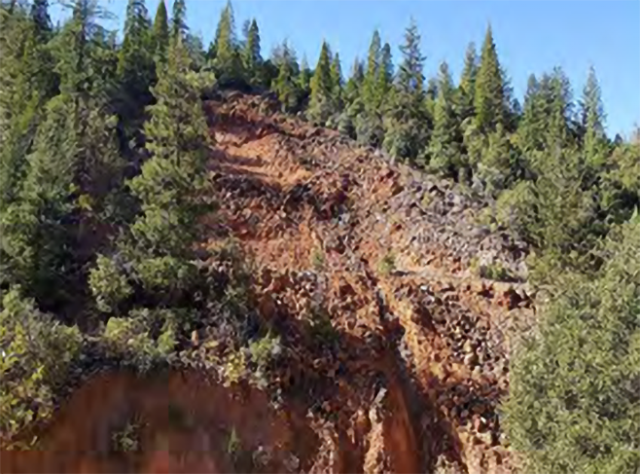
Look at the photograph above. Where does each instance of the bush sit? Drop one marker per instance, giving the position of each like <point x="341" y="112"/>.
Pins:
<point x="574" y="404"/>
<point x="143" y="339"/>
<point x="317" y="259"/>
<point x="108" y="284"/>
<point x="37" y="353"/>
<point x="164" y="273"/>
<point x="263" y="350"/>
<point x="492" y="270"/>
<point x="387" y="264"/>
<point x="127" y="440"/>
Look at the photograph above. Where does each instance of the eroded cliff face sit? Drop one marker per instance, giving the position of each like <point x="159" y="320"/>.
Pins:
<point x="395" y="350"/>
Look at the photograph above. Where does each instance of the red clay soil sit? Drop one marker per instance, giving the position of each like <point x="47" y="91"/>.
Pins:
<point x="185" y="424"/>
<point x="413" y="376"/>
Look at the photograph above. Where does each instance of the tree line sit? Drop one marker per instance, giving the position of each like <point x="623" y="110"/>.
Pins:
<point x="103" y="152"/>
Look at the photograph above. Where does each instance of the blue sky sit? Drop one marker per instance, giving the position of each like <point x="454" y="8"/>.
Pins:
<point x="531" y="36"/>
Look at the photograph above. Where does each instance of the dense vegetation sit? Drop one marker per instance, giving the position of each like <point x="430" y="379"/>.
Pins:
<point x="103" y="147"/>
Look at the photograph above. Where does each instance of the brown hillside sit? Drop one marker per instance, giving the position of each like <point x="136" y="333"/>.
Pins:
<point x="412" y="372"/>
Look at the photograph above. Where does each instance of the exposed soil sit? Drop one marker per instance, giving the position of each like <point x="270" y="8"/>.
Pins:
<point x="410" y="375"/>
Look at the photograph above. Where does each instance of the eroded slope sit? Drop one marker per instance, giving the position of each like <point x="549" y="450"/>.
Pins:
<point x="395" y="351"/>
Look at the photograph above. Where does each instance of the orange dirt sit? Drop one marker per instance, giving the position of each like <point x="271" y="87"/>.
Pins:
<point x="418" y="364"/>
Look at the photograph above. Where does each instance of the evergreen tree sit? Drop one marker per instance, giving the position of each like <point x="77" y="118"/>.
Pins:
<point x="41" y="19"/>
<point x="592" y="121"/>
<point x="195" y="49"/>
<point x="304" y="79"/>
<point x="384" y="76"/>
<point x="286" y="86"/>
<point x="251" y="59"/>
<point x="353" y="88"/>
<point x="26" y="83"/>
<point x="443" y="148"/>
<point x="371" y="74"/>
<point x="136" y="68"/>
<point x="336" y="83"/>
<point x="179" y="19"/>
<point x="489" y="88"/>
<point x="431" y="94"/>
<point x="157" y="250"/>
<point x="557" y="90"/>
<point x="406" y="122"/>
<point x="320" y="102"/>
<point x="352" y="98"/>
<point x="161" y="32"/>
<point x="74" y="165"/>
<point x="530" y="132"/>
<point x="227" y="62"/>
<point x="574" y="382"/>
<point x="410" y="77"/>
<point x="498" y="167"/>
<point x="466" y="89"/>
<point x="545" y="123"/>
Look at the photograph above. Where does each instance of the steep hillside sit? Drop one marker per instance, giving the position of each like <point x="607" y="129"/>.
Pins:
<point x="395" y="348"/>
<point x="292" y="193"/>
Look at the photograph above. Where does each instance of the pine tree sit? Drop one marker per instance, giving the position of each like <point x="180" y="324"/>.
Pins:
<point x="195" y="49"/>
<point x="227" y="62"/>
<point x="443" y="148"/>
<point x="26" y="83"/>
<point x="410" y="77"/>
<point x="179" y="19"/>
<point x="74" y="165"/>
<point x="178" y="140"/>
<point x="586" y="349"/>
<point x="41" y="19"/>
<point x="286" y="87"/>
<point x="371" y="74"/>
<point x="466" y="89"/>
<point x="592" y="121"/>
<point x="136" y="68"/>
<point x="158" y="249"/>
<point x="304" y="79"/>
<point x="161" y="32"/>
<point x="489" y="90"/>
<point x="251" y="59"/>
<point x="430" y="96"/>
<point x="531" y="132"/>
<point x="406" y="123"/>
<point x="320" y="103"/>
<point x="353" y="88"/>
<point x="336" y="83"/>
<point x="545" y="122"/>
<point x="384" y="78"/>
<point x="559" y="108"/>
<point x="498" y="167"/>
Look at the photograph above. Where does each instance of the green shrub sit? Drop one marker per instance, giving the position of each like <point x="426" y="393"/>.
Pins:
<point x="387" y="264"/>
<point x="36" y="355"/>
<point x="127" y="440"/>
<point x="321" y="328"/>
<point x="167" y="272"/>
<point x="108" y="284"/>
<point x="144" y="338"/>
<point x="263" y="350"/>
<point x="492" y="271"/>
<point x="317" y="259"/>
<point x="235" y="368"/>
<point x="574" y="403"/>
<point x="233" y="444"/>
